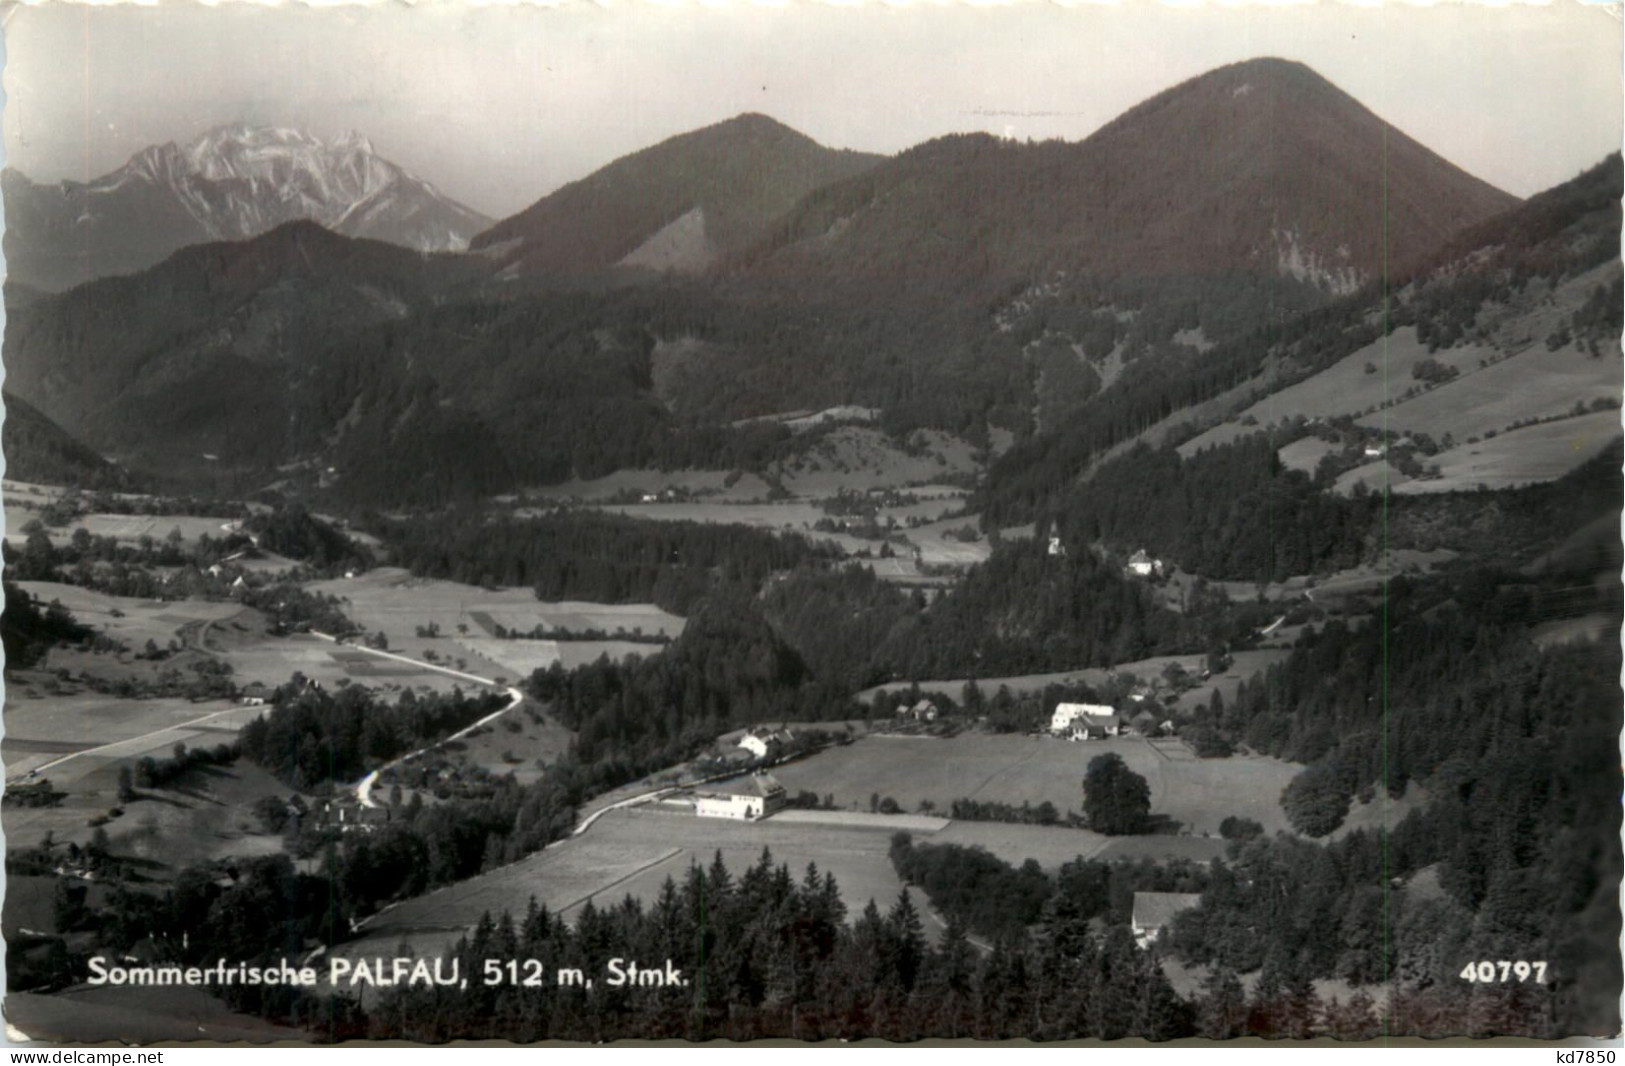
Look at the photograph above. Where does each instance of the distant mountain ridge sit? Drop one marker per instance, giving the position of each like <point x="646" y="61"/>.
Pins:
<point x="1262" y="167"/>
<point x="231" y="183"/>
<point x="969" y="285"/>
<point x="679" y="205"/>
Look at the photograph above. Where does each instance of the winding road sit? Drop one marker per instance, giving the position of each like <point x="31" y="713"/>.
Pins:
<point x="363" y="788"/>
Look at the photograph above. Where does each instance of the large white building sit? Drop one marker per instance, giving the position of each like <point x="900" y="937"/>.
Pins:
<point x="752" y="799"/>
<point x="1068" y="715"/>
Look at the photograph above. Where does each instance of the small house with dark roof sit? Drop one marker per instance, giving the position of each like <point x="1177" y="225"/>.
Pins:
<point x="1155" y="912"/>
<point x="923" y="711"/>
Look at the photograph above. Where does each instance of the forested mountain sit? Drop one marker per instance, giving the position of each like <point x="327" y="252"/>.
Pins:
<point x="1067" y="291"/>
<point x="1487" y="286"/>
<point x="676" y="206"/>
<point x="39" y="450"/>
<point x="1261" y="168"/>
<point x="203" y="353"/>
<point x="231" y="183"/>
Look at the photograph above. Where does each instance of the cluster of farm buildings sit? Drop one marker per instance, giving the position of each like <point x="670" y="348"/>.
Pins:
<point x="1097" y="721"/>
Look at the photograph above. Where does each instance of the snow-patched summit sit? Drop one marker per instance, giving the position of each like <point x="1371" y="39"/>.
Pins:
<point x="231" y="183"/>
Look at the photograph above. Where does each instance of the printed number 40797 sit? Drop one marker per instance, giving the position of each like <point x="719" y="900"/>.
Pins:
<point x="1504" y="971"/>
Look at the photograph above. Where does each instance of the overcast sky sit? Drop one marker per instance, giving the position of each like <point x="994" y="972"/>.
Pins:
<point x="500" y="105"/>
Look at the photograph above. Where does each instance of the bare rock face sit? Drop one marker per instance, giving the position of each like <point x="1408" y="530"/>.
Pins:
<point x="232" y="183"/>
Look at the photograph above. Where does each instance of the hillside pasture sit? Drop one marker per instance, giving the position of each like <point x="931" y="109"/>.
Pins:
<point x="1535" y="383"/>
<point x="1197" y="793"/>
<point x="1525" y="456"/>
<point x="1347" y="387"/>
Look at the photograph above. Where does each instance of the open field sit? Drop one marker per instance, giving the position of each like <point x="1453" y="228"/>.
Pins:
<point x="1197" y="793"/>
<point x="632" y="852"/>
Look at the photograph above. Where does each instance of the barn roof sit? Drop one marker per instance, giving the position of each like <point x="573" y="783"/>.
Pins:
<point x="1154" y="910"/>
<point x="762" y="785"/>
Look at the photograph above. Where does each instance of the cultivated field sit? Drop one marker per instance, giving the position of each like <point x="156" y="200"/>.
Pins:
<point x="1197" y="793"/>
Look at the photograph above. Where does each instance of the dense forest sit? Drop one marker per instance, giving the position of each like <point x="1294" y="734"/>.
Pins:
<point x="292" y="531"/>
<point x="1234" y="512"/>
<point x="1551" y="237"/>
<point x="1228" y="512"/>
<point x="728" y="669"/>
<point x="313" y="736"/>
<point x="30" y="629"/>
<point x="593" y="556"/>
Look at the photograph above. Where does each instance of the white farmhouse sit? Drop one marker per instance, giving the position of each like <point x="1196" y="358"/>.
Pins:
<point x="749" y="800"/>
<point x="1141" y="564"/>
<point x="761" y="742"/>
<point x="1068" y="714"/>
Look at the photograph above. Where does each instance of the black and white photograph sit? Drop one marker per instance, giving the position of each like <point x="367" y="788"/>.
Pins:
<point x="810" y="522"/>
